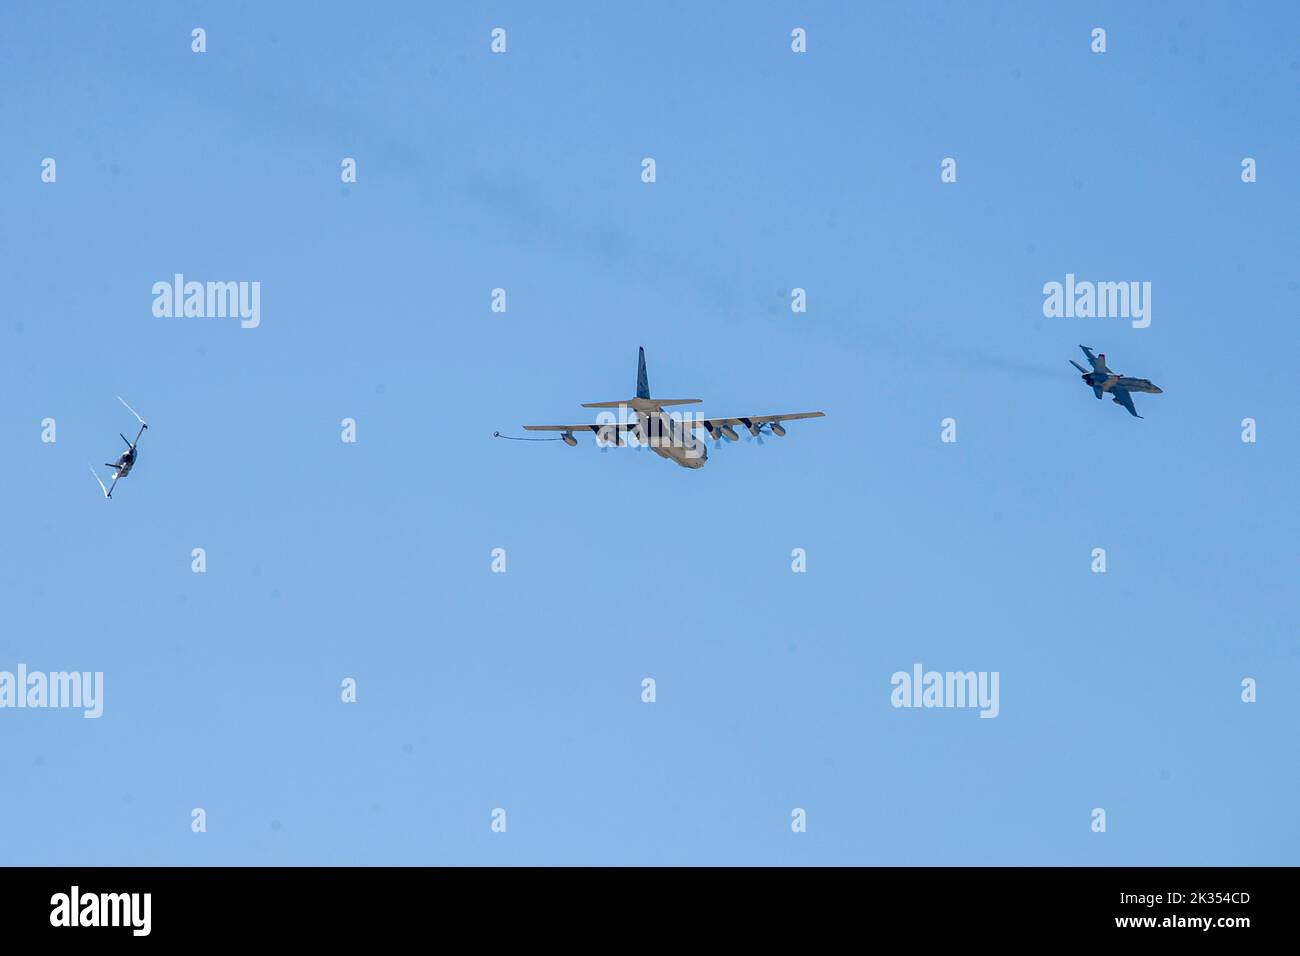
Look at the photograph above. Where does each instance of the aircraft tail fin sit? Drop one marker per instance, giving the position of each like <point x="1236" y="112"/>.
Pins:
<point x="643" y="392"/>
<point x="642" y="381"/>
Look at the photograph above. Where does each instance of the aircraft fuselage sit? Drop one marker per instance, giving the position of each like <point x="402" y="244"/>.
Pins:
<point x="1100" y="380"/>
<point x="667" y="438"/>
<point x="125" y="462"/>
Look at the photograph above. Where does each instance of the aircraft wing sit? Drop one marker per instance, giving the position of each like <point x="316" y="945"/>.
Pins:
<point x="751" y="422"/>
<point x="1121" y="395"/>
<point x="586" y="427"/>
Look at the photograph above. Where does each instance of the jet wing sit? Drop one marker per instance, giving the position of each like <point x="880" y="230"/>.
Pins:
<point x="1122" y="396"/>
<point x="751" y="422"/>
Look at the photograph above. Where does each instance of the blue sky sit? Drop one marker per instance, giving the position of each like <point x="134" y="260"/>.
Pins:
<point x="521" y="690"/>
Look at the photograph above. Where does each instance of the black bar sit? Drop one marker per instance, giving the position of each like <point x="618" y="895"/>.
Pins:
<point x="332" y="905"/>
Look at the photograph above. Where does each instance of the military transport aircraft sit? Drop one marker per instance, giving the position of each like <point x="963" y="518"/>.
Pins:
<point x="125" y="461"/>
<point x="672" y="437"/>
<point x="1103" y="380"/>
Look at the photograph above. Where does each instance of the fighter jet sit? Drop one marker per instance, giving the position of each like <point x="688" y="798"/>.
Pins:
<point x="1103" y="381"/>
<point x="668" y="436"/>
<point x="125" y="461"/>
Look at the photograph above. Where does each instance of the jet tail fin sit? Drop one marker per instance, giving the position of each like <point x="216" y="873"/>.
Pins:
<point x="1098" y="362"/>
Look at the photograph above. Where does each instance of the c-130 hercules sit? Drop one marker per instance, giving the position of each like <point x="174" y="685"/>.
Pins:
<point x="673" y="438"/>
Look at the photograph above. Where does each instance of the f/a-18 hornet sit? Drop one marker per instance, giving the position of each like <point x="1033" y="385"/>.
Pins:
<point x="1105" y="382"/>
<point x="669" y="436"/>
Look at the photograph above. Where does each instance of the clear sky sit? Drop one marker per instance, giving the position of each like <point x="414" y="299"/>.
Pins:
<point x="775" y="170"/>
